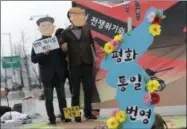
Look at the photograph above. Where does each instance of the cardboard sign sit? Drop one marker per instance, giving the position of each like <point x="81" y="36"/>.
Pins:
<point x="45" y="44"/>
<point x="29" y="106"/>
<point x="72" y="112"/>
<point x="128" y="77"/>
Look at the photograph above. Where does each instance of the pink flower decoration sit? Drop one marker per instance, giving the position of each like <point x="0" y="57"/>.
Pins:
<point x="114" y="111"/>
<point x="151" y="16"/>
<point x="147" y="98"/>
<point x="115" y="44"/>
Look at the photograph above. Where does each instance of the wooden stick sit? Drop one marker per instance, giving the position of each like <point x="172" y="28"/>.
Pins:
<point x="129" y="24"/>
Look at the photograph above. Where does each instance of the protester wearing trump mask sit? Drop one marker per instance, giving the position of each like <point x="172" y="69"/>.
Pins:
<point x="79" y="44"/>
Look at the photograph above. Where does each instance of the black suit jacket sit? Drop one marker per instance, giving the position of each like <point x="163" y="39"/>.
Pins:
<point x="49" y="65"/>
<point x="79" y="50"/>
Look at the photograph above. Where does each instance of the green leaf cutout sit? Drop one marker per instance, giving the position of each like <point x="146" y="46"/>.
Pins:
<point x="106" y="56"/>
<point x="146" y="89"/>
<point x="120" y="126"/>
<point x="146" y="80"/>
<point x="157" y="13"/>
<point x="129" y="33"/>
<point x="163" y="16"/>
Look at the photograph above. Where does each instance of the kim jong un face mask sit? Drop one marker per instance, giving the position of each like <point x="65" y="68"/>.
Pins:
<point x="46" y="28"/>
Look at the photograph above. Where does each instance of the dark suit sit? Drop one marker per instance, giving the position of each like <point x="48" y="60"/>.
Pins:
<point x="81" y="65"/>
<point x="52" y="72"/>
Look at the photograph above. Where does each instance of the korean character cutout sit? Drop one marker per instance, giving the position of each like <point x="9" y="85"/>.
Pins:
<point x="118" y="55"/>
<point x="133" y="112"/>
<point x="108" y="26"/>
<point x="146" y="115"/>
<point x="121" y="30"/>
<point x="101" y="24"/>
<point x="122" y="83"/>
<point x="94" y="21"/>
<point x="130" y="55"/>
<point x="136" y="80"/>
<point x="115" y="28"/>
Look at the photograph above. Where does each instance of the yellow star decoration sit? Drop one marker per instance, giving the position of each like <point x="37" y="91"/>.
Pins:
<point x="108" y="48"/>
<point x="112" y="123"/>
<point x="152" y="86"/>
<point x="121" y="116"/>
<point x="155" y="29"/>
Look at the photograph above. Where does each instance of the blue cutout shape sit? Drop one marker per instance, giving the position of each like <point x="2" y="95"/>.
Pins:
<point x="139" y="40"/>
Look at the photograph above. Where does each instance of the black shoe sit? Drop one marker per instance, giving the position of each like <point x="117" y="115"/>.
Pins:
<point x="78" y="119"/>
<point x="52" y="123"/>
<point x="92" y="117"/>
<point x="66" y="120"/>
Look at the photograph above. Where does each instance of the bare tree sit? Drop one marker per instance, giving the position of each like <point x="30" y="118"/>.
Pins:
<point x="18" y="51"/>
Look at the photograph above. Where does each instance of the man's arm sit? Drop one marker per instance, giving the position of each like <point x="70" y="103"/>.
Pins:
<point x="92" y="46"/>
<point x="36" y="58"/>
<point x="64" y="44"/>
<point x="92" y="41"/>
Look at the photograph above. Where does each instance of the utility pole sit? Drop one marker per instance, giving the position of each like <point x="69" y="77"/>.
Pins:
<point x="28" y="71"/>
<point x="26" y="63"/>
<point x="6" y="78"/>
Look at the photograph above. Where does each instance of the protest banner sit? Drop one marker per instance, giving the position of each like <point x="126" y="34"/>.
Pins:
<point x="41" y="46"/>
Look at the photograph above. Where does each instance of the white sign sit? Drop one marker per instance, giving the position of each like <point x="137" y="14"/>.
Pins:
<point x="45" y="44"/>
<point x="29" y="106"/>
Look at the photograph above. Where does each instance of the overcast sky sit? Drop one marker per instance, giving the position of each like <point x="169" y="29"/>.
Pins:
<point x="15" y="17"/>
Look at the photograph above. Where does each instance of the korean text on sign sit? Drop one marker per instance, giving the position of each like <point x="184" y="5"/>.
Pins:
<point x="122" y="55"/>
<point x="136" y="113"/>
<point x="45" y="44"/>
<point x="136" y="80"/>
<point x="106" y="25"/>
<point x="72" y="112"/>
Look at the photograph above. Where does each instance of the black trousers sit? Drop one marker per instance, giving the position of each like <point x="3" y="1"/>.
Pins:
<point x="82" y="73"/>
<point x="48" y="93"/>
<point x="69" y="80"/>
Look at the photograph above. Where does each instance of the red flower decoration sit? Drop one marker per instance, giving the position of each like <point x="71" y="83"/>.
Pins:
<point x="184" y="30"/>
<point x="155" y="98"/>
<point x="157" y="20"/>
